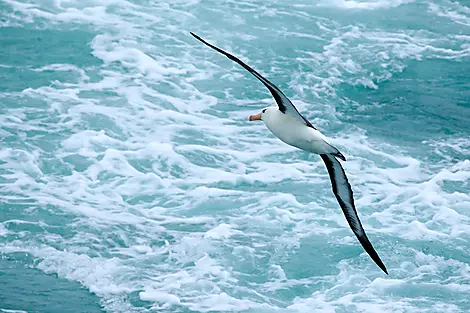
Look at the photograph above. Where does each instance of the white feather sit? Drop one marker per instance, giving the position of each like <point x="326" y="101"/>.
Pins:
<point x="296" y="134"/>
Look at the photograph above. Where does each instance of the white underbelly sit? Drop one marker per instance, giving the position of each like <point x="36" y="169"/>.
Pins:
<point x="299" y="135"/>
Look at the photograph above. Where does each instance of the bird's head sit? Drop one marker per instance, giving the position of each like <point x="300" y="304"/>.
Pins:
<point x="265" y="112"/>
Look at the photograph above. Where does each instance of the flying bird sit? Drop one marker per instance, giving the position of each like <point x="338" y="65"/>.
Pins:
<point x="286" y="123"/>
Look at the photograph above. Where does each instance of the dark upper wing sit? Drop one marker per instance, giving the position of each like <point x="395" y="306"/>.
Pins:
<point x="285" y="105"/>
<point x="344" y="195"/>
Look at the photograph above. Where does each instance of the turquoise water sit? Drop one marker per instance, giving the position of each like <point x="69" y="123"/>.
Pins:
<point x="132" y="181"/>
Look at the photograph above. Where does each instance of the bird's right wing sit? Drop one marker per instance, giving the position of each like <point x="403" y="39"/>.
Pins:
<point x="344" y="195"/>
<point x="284" y="104"/>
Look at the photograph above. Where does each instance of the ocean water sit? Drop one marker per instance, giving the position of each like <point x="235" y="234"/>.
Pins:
<point x="132" y="181"/>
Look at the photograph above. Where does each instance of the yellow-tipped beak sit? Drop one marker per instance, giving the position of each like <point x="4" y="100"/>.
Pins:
<point x="255" y="117"/>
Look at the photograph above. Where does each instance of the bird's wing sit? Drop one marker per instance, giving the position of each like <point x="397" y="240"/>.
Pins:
<point x="285" y="105"/>
<point x="344" y="195"/>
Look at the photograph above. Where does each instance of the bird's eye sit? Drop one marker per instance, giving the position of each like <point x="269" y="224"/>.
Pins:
<point x="264" y="110"/>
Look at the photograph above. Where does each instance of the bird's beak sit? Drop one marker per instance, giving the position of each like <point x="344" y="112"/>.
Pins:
<point x="255" y="117"/>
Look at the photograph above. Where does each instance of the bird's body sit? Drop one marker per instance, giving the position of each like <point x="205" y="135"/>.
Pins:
<point x="286" y="123"/>
<point x="296" y="134"/>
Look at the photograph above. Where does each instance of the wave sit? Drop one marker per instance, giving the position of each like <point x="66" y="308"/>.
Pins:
<point x="141" y="177"/>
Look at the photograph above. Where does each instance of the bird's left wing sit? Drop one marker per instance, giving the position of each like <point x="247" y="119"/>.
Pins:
<point x="344" y="195"/>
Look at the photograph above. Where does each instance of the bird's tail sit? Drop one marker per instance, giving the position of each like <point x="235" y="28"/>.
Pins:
<point x="340" y="155"/>
<point x="334" y="151"/>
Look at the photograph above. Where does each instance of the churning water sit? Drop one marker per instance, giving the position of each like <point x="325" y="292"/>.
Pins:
<point x="132" y="181"/>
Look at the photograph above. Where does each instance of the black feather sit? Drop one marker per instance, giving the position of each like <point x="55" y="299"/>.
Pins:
<point x="284" y="104"/>
<point x="344" y="195"/>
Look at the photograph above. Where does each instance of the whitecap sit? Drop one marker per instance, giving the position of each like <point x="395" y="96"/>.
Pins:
<point x="365" y="5"/>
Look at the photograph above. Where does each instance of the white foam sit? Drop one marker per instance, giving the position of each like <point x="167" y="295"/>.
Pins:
<point x="225" y="303"/>
<point x="357" y="55"/>
<point x="96" y="273"/>
<point x="142" y="249"/>
<point x="365" y="5"/>
<point x="208" y="266"/>
<point x="458" y="13"/>
<point x="3" y="229"/>
<point x="21" y="162"/>
<point x="317" y="302"/>
<point x="96" y="15"/>
<point x="159" y="296"/>
<point x="64" y="68"/>
<point x="221" y="231"/>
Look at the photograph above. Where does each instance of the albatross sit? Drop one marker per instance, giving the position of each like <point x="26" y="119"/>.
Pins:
<point x="286" y="123"/>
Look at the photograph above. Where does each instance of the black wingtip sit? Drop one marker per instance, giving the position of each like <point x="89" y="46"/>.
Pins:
<point x="367" y="245"/>
<point x="378" y="261"/>
<point x="383" y="268"/>
<point x="197" y="37"/>
<point x="372" y="253"/>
